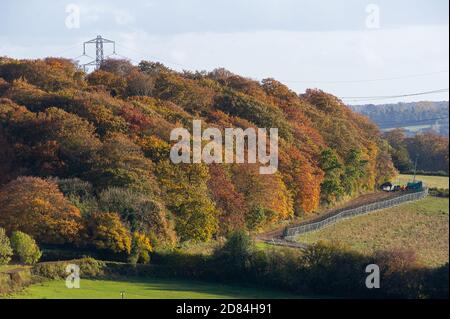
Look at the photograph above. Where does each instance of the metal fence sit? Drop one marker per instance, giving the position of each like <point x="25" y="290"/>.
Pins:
<point x="291" y="232"/>
<point x="283" y="242"/>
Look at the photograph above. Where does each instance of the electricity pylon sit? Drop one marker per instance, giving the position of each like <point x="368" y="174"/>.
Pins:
<point x="99" y="41"/>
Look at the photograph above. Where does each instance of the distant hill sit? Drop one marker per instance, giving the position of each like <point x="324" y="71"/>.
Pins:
<point x="415" y="117"/>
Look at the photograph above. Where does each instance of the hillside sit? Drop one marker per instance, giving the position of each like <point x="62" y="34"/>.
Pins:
<point x="85" y="159"/>
<point x="421" y="227"/>
<point x="415" y="117"/>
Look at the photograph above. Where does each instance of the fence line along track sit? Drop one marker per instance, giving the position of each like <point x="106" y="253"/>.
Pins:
<point x="284" y="242"/>
<point x="291" y="232"/>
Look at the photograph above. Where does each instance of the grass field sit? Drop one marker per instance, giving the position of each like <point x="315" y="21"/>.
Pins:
<point x="146" y="289"/>
<point x="422" y="226"/>
<point x="430" y="181"/>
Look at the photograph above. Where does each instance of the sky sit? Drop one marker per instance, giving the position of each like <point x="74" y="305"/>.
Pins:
<point x="363" y="51"/>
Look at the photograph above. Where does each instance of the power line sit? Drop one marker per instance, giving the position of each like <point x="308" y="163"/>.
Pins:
<point x="142" y="56"/>
<point x="369" y="98"/>
<point x="368" y="80"/>
<point x="99" y="41"/>
<point x="409" y="123"/>
<point x="67" y="49"/>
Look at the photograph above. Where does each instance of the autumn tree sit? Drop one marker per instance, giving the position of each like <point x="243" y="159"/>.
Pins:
<point x="37" y="207"/>
<point x="104" y="140"/>
<point x="50" y="74"/>
<point x="53" y="142"/>
<point x="119" y="67"/>
<point x="303" y="179"/>
<point x="144" y="214"/>
<point x="8" y="160"/>
<point x="262" y="114"/>
<point x="76" y="140"/>
<point x="189" y="94"/>
<point x="267" y="191"/>
<point x="140" y="84"/>
<point x="106" y="231"/>
<point x="113" y="83"/>
<point x="121" y="163"/>
<point x="141" y="249"/>
<point x="230" y="203"/>
<point x="431" y="150"/>
<point x="399" y="150"/>
<point x="153" y="68"/>
<point x="155" y="148"/>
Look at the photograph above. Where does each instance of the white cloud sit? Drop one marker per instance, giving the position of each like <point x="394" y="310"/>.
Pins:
<point x="291" y="56"/>
<point x="324" y="56"/>
<point x="122" y="17"/>
<point x="92" y="13"/>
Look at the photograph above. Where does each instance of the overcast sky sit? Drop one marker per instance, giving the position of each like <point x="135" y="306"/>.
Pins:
<point x="349" y="48"/>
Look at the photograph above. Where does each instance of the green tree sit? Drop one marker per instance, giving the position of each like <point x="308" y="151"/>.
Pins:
<point x="6" y="251"/>
<point x="259" y="216"/>
<point x="331" y="186"/>
<point x="186" y="194"/>
<point x="80" y="193"/>
<point x="145" y="214"/>
<point x="25" y="248"/>
<point x="237" y="252"/>
<point x="355" y="171"/>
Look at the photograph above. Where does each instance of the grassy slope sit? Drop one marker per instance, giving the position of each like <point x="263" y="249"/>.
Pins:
<point x="146" y="289"/>
<point x="430" y="181"/>
<point x="422" y="226"/>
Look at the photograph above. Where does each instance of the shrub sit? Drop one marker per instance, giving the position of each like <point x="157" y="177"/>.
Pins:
<point x="325" y="269"/>
<point x="332" y="268"/>
<point x="25" y="248"/>
<point x="141" y="249"/>
<point x="89" y="268"/>
<point x="236" y="253"/>
<point x="5" y="248"/>
<point x="14" y="280"/>
<point x="401" y="274"/>
<point x="439" y="192"/>
<point x="436" y="282"/>
<point x="258" y="217"/>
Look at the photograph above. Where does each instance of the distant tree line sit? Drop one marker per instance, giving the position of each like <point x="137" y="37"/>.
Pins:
<point x="433" y="115"/>
<point x="430" y="150"/>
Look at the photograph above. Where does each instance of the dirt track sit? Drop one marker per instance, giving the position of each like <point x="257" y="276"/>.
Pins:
<point x="359" y="201"/>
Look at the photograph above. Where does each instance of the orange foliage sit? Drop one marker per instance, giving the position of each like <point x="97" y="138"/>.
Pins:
<point x="106" y="231"/>
<point x="231" y="204"/>
<point x="303" y="179"/>
<point x="37" y="207"/>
